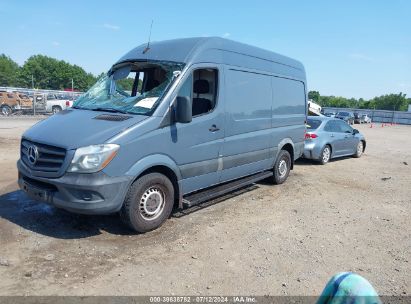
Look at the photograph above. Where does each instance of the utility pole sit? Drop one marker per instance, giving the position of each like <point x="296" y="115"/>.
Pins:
<point x="34" y="95"/>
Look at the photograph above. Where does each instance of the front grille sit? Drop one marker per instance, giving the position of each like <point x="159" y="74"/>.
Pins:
<point x="50" y="158"/>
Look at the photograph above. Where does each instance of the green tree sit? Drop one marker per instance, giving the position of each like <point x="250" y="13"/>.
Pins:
<point x="50" y="73"/>
<point x="126" y="84"/>
<point x="314" y="96"/>
<point x="396" y="102"/>
<point x="9" y="71"/>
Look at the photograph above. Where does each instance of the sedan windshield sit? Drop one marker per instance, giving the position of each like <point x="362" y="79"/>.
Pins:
<point x="135" y="88"/>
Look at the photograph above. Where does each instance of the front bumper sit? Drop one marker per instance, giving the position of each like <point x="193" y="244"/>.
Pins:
<point x="93" y="193"/>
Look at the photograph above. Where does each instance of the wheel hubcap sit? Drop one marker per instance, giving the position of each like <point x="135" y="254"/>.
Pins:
<point x="152" y="203"/>
<point x="359" y="148"/>
<point x="326" y="154"/>
<point x="282" y="168"/>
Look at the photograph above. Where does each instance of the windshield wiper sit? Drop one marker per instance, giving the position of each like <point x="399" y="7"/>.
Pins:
<point x="110" y="110"/>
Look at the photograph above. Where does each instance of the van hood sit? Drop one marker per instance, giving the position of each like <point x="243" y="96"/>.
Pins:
<point x="74" y="128"/>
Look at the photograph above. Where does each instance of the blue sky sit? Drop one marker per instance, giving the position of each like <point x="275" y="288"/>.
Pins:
<point x="349" y="48"/>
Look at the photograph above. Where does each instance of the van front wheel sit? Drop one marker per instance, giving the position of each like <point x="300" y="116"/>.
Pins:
<point x="148" y="203"/>
<point x="281" y="168"/>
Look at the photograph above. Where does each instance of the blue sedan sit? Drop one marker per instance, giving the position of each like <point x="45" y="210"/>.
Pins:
<point x="328" y="138"/>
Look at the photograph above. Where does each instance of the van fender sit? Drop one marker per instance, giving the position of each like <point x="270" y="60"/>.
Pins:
<point x="157" y="160"/>
<point x="280" y="145"/>
<point x="151" y="161"/>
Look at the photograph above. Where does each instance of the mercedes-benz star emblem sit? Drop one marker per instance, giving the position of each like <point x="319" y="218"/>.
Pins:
<point x="33" y="154"/>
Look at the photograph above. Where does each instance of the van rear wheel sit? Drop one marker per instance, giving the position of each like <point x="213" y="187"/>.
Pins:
<point x="282" y="168"/>
<point x="148" y="203"/>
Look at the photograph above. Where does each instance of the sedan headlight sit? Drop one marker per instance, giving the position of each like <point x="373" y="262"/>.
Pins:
<point x="92" y="158"/>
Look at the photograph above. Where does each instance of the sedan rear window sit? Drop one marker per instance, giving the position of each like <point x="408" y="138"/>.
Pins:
<point x="313" y="124"/>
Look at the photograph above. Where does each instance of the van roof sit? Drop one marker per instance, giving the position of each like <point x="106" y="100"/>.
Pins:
<point x="217" y="50"/>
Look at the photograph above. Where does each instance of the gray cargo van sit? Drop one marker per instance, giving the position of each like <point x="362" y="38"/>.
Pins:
<point x="172" y="124"/>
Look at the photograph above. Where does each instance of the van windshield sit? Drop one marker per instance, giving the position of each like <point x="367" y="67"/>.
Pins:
<point x="134" y="88"/>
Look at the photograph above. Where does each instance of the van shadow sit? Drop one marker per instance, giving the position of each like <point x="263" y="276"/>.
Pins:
<point x="47" y="220"/>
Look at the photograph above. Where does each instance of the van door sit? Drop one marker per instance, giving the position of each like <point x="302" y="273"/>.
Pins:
<point x="196" y="145"/>
<point x="247" y="142"/>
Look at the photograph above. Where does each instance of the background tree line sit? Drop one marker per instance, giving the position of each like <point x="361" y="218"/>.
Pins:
<point x="46" y="73"/>
<point x="53" y="74"/>
<point x="397" y="102"/>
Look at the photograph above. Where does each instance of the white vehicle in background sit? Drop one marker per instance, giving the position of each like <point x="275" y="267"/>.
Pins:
<point x="313" y="108"/>
<point x="52" y="103"/>
<point x="365" y="119"/>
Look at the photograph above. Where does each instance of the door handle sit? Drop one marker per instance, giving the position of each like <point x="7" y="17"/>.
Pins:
<point x="214" y="128"/>
<point x="332" y="135"/>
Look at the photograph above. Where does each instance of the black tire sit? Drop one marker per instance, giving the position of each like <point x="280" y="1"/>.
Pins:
<point x="325" y="155"/>
<point x="6" y="110"/>
<point x="359" y="150"/>
<point x="56" y="109"/>
<point x="281" y="168"/>
<point x="146" y="195"/>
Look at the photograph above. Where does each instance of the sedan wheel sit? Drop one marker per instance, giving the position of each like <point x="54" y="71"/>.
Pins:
<point x="325" y="155"/>
<point x="360" y="149"/>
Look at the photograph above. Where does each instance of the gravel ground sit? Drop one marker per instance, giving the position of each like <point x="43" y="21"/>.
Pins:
<point x="350" y="215"/>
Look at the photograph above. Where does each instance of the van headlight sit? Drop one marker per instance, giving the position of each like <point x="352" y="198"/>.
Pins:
<point x="92" y="158"/>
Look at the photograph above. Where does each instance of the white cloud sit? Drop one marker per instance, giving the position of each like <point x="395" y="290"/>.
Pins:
<point x="226" y="35"/>
<point x="111" y="26"/>
<point x="56" y="43"/>
<point x="359" y="56"/>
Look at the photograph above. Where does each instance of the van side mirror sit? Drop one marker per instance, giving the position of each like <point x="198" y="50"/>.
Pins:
<point x="355" y="131"/>
<point x="183" y="110"/>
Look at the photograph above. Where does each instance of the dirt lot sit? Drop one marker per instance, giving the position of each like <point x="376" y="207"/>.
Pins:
<point x="269" y="240"/>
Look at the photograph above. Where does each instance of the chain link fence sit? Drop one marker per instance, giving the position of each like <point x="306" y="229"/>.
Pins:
<point x="383" y="116"/>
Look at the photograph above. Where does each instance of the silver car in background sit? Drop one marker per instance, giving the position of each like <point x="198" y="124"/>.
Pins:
<point x="328" y="138"/>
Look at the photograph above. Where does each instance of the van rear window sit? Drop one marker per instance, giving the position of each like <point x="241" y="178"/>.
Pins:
<point x="313" y="124"/>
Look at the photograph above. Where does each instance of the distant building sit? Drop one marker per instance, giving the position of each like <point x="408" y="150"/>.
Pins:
<point x="409" y="108"/>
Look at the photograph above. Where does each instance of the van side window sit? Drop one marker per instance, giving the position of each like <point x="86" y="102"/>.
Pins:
<point x="204" y="91"/>
<point x="201" y="87"/>
<point x="186" y="89"/>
